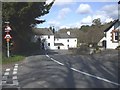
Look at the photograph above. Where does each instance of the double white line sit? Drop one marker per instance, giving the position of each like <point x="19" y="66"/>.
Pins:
<point x="14" y="78"/>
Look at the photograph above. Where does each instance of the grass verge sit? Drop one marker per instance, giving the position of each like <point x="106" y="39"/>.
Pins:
<point x="12" y="59"/>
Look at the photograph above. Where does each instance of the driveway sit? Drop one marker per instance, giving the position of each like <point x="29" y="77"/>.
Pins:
<point x="61" y="69"/>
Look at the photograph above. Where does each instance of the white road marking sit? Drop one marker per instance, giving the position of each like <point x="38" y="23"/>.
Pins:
<point x="9" y="84"/>
<point x="97" y="77"/>
<point x="7" y="70"/>
<point x="15" y="82"/>
<point x="4" y="78"/>
<point x="15" y="69"/>
<point x="14" y="77"/>
<point x="47" y="55"/>
<point x="56" y="61"/>
<point x="15" y="66"/>
<point x="90" y="75"/>
<point x="6" y="73"/>
<point x="4" y="82"/>
<point x="14" y="72"/>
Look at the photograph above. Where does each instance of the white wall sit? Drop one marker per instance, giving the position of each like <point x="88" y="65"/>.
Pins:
<point x="100" y="42"/>
<point x="48" y="40"/>
<point x="72" y="42"/>
<point x="110" y="44"/>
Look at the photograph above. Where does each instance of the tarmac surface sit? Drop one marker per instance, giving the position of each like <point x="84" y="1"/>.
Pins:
<point x="61" y="69"/>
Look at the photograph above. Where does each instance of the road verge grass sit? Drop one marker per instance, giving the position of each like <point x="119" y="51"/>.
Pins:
<point x="12" y="59"/>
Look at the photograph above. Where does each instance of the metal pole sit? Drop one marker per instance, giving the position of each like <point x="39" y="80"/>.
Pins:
<point x="8" y="52"/>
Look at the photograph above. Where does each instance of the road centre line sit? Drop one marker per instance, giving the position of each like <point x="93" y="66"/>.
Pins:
<point x="56" y="61"/>
<point x="84" y="73"/>
<point x="97" y="77"/>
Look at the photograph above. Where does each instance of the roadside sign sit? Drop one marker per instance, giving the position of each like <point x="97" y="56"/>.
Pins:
<point x="7" y="36"/>
<point x="7" y="29"/>
<point x="7" y="40"/>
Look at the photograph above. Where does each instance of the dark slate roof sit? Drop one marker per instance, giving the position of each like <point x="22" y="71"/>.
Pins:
<point x="64" y="35"/>
<point x="58" y="44"/>
<point x="111" y="25"/>
<point x="42" y="31"/>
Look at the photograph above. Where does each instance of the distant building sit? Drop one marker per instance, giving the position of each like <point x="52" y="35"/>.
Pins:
<point x="111" y="36"/>
<point x="53" y="40"/>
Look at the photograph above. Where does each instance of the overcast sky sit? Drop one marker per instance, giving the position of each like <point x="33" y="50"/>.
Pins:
<point x="71" y="13"/>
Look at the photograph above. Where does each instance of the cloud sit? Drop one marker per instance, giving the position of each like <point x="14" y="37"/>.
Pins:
<point x="87" y="20"/>
<point x="107" y="13"/>
<point x="61" y="2"/>
<point x="64" y="26"/>
<point x="72" y="25"/>
<point x="53" y="23"/>
<point x="109" y="20"/>
<point x="104" y="18"/>
<point x="64" y="2"/>
<point x="63" y="12"/>
<point x="84" y="9"/>
<point x="111" y="10"/>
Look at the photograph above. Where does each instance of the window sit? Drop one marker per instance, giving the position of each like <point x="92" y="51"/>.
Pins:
<point x="48" y="44"/>
<point x="68" y="40"/>
<point x="104" y="34"/>
<point x="68" y="46"/>
<point x="48" y="36"/>
<point x="116" y="35"/>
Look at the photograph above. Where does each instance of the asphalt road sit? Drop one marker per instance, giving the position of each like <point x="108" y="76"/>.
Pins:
<point x="61" y="69"/>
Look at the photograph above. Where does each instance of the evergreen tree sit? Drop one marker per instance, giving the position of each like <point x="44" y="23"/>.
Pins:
<point x="22" y="17"/>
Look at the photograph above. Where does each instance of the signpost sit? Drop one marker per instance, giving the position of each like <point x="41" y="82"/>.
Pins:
<point x="8" y="37"/>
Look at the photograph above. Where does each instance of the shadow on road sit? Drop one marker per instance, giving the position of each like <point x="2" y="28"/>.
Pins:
<point x="69" y="79"/>
<point x="40" y="52"/>
<point x="42" y="72"/>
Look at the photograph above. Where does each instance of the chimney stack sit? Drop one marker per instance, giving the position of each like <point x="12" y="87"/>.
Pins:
<point x="68" y="32"/>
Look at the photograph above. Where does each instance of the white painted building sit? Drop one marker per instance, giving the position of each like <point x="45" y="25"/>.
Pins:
<point x="50" y="40"/>
<point x="111" y="36"/>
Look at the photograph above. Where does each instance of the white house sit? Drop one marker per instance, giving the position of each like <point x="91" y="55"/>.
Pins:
<point x="111" y="36"/>
<point x="51" y="40"/>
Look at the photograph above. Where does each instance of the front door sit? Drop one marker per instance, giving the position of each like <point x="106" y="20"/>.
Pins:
<point x="104" y="43"/>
